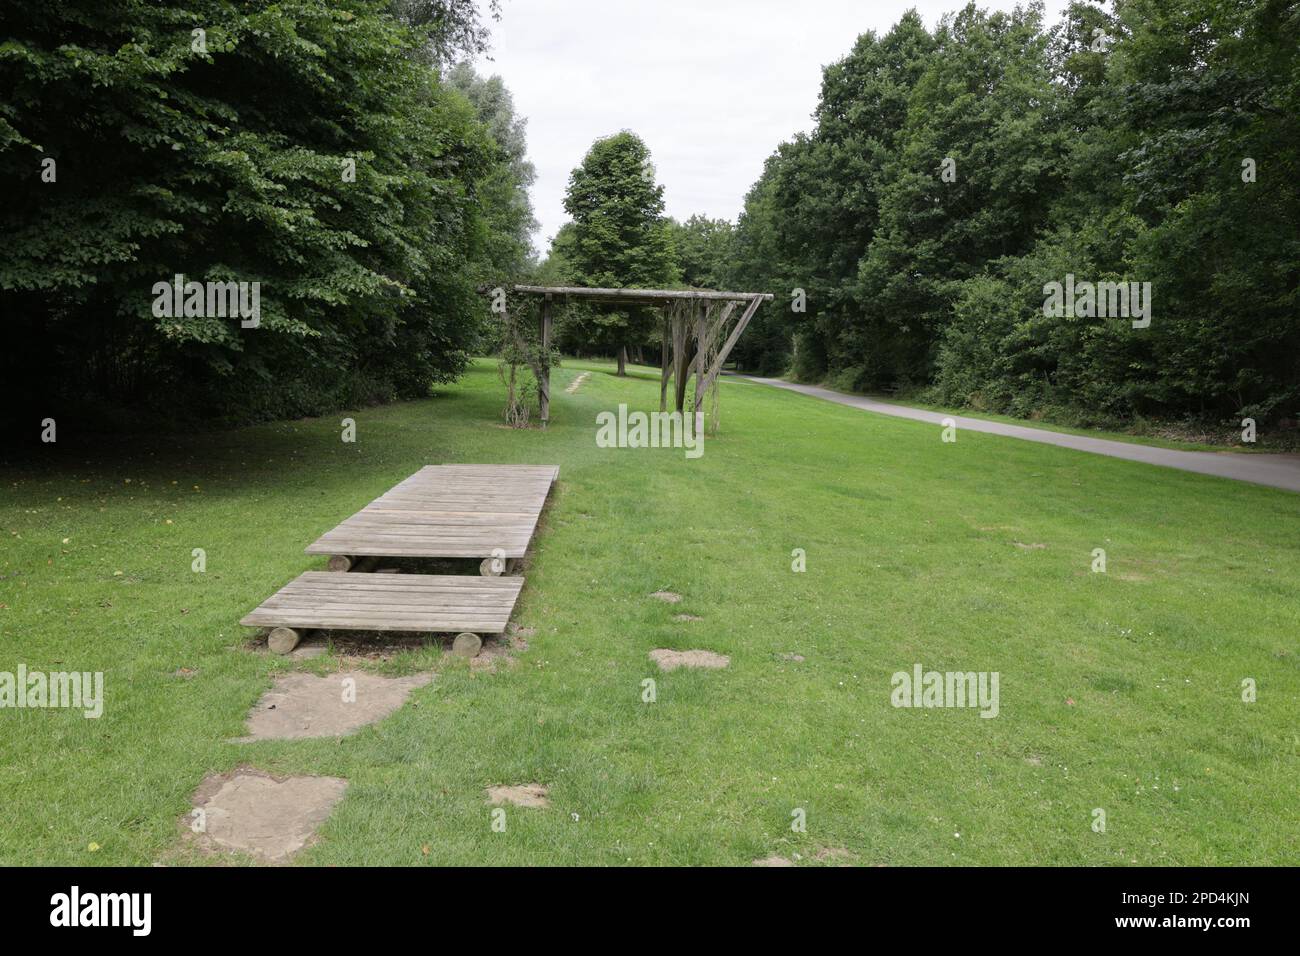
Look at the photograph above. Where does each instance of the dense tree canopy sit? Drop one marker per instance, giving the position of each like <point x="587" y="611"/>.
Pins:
<point x="303" y="145"/>
<point x="619" y="237"/>
<point x="954" y="173"/>
<point x="504" y="192"/>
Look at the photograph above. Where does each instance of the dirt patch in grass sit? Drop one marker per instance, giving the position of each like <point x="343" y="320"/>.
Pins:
<point x="520" y="795"/>
<point x="833" y="854"/>
<point x="671" y="660"/>
<point x="668" y="597"/>
<point x="686" y="618"/>
<point x="773" y="861"/>
<point x="266" y="817"/>
<point x="304" y="705"/>
<point x="501" y="651"/>
<point x="793" y="658"/>
<point x="309" y="649"/>
<point x="1035" y="546"/>
<point x="363" y="645"/>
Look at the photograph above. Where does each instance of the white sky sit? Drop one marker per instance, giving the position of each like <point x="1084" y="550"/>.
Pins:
<point x="712" y="86"/>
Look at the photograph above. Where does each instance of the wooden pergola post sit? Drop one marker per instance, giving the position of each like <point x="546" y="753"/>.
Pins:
<point x="711" y="374"/>
<point x="665" y="368"/>
<point x="681" y="359"/>
<point x="544" y="364"/>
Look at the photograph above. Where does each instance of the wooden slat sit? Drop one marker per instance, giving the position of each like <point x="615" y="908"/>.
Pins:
<point x="396" y="602"/>
<point x="448" y="511"/>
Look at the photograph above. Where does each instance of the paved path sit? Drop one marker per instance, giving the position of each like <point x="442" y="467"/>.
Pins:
<point x="1278" y="471"/>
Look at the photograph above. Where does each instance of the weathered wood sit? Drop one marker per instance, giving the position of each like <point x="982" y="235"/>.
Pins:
<point x="703" y="337"/>
<point x="701" y="353"/>
<point x="282" y="640"/>
<point x="721" y="358"/>
<point x="665" y="368"/>
<point x="544" y="370"/>
<point x="390" y="602"/>
<point x="637" y="295"/>
<point x="682" y="359"/>
<point x="447" y="511"/>
<point x="467" y="645"/>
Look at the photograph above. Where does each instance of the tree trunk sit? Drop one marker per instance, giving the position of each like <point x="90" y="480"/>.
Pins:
<point x="622" y="360"/>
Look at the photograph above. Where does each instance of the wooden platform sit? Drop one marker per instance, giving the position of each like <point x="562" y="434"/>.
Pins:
<point x="391" y="602"/>
<point x="448" y="511"/>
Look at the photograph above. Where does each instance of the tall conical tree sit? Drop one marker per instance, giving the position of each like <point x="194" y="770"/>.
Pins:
<point x="620" y="236"/>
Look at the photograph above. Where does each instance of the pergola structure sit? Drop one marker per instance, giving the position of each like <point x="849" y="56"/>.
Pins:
<point x="694" y="324"/>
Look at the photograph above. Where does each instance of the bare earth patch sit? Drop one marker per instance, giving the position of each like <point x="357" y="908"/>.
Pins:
<point x="793" y="658"/>
<point x="1030" y="547"/>
<point x="365" y="645"/>
<point x="668" y="597"/>
<point x="774" y="861"/>
<point x="686" y="618"/>
<point x="303" y="705"/>
<point x="500" y="651"/>
<point x="522" y="795"/>
<point x="578" y="382"/>
<point x="833" y="853"/>
<point x="311" y="648"/>
<point x="671" y="660"/>
<point x="269" y="818"/>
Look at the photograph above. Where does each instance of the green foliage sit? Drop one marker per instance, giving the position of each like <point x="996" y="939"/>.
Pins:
<point x="703" y="250"/>
<point x="1110" y="146"/>
<point x="224" y="156"/>
<point x="620" y="238"/>
<point x="504" y="192"/>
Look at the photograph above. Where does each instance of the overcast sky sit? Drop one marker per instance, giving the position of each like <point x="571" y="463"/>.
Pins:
<point x="712" y="86"/>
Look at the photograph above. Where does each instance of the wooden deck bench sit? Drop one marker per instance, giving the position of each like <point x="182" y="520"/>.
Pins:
<point x="467" y="606"/>
<point x="447" y="511"/>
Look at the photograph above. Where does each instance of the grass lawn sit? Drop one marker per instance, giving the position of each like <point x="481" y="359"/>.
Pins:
<point x="1119" y="691"/>
<point x="1144" y="437"/>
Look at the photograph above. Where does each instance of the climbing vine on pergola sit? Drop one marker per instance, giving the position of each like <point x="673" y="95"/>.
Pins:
<point x="700" y="328"/>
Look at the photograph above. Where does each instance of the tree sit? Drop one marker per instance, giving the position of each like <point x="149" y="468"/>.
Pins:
<point x="296" y="145"/>
<point x="504" y="191"/>
<point x="620" y="236"/>
<point x="703" y="248"/>
<point x="985" y="111"/>
<point x="952" y="176"/>
<point x="447" y="28"/>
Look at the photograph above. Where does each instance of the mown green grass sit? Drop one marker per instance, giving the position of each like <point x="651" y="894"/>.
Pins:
<point x="1119" y="691"/>
<point x="1141" y="435"/>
